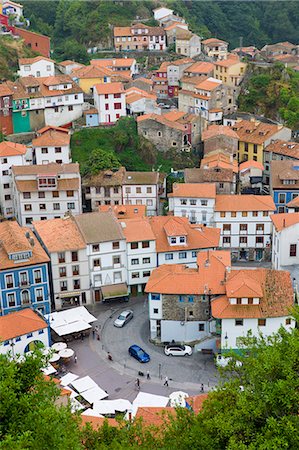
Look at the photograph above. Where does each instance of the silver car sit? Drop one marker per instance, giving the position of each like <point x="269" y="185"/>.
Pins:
<point x="123" y="318"/>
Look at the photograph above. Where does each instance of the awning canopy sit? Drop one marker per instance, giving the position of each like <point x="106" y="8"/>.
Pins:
<point x="71" y="321"/>
<point x="70" y="294"/>
<point x="115" y="290"/>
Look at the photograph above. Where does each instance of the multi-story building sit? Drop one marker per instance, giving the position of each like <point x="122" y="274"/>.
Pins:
<point x="45" y="191"/>
<point x="142" y="188"/>
<point x="215" y="48"/>
<point x="64" y="244"/>
<point x="221" y="160"/>
<point x="6" y="91"/>
<point x="187" y="43"/>
<point x="106" y="252"/>
<point x="196" y="201"/>
<point x="220" y="138"/>
<point x="231" y="72"/>
<point x="200" y="68"/>
<point x="36" y="67"/>
<point x="251" y="177"/>
<point x="178" y="242"/>
<point x="160" y="83"/>
<point x="141" y="252"/>
<point x="105" y="188"/>
<point x="51" y="145"/>
<point x="37" y="42"/>
<point x="68" y="66"/>
<point x="43" y="101"/>
<point x="121" y="66"/>
<point x="24" y="278"/>
<point x="110" y="101"/>
<point x="224" y="178"/>
<point x="256" y="301"/>
<point x="179" y="297"/>
<point x="11" y="154"/>
<point x="139" y="37"/>
<point x="125" y="211"/>
<point x="284" y="183"/>
<point x="175" y="71"/>
<point x="254" y="136"/>
<point x="172" y="29"/>
<point x="245" y="223"/>
<point x="88" y="76"/>
<point x="20" y="331"/>
<point x="140" y="102"/>
<point x="279" y="150"/>
<point x="176" y="129"/>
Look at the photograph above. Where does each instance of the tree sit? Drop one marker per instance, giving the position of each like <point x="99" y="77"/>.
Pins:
<point x="101" y="159"/>
<point x="29" y="417"/>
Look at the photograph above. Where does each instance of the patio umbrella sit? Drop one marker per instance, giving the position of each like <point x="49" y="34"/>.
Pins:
<point x="54" y="358"/>
<point x="66" y="353"/>
<point x="59" y="346"/>
<point x="177" y="398"/>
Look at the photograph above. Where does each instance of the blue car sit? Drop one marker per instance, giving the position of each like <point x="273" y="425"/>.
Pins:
<point x="139" y="354"/>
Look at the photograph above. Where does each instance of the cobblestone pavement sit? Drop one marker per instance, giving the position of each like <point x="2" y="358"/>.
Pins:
<point x="118" y="377"/>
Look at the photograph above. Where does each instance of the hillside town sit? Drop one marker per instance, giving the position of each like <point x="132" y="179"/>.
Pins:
<point x="189" y="261"/>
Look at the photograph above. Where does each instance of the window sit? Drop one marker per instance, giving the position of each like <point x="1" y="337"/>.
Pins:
<point x="194" y="254"/>
<point x="183" y="201"/>
<point x="75" y="270"/>
<point x="168" y="256"/>
<point x="76" y="284"/>
<point x="106" y="96"/>
<point x="62" y="272"/>
<point x="42" y="207"/>
<point x="148" y="190"/>
<point x="293" y="250"/>
<point x="243" y="227"/>
<point x="201" y="327"/>
<point x="41" y="194"/>
<point x="63" y="285"/>
<point x="57" y="149"/>
<point x="259" y="239"/>
<point x="288" y="321"/>
<point x="134" y="261"/>
<point x="222" y="214"/>
<point x="190" y="299"/>
<point x="55" y="194"/>
<point x="281" y="198"/>
<point x="260" y="227"/>
<point x="37" y="275"/>
<point x="204" y="203"/>
<point x="246" y="147"/>
<point x="181" y="299"/>
<point x="70" y="107"/>
<point x="145" y="244"/>
<point x="146" y="260"/>
<point x="265" y="213"/>
<point x="5" y="172"/>
<point x="27" y="195"/>
<point x="116" y="259"/>
<point x="135" y="274"/>
<point x="96" y="247"/>
<point x="39" y="295"/>
<point x="28" y="220"/>
<point x="27" y="207"/>
<point x="156" y="310"/>
<point x="56" y="206"/>
<point x="149" y="202"/>
<point x="71" y="205"/>
<point x="182" y="255"/>
<point x="193" y="202"/>
<point x="244" y="213"/>
<point x="56" y="109"/>
<point x="9" y="281"/>
<point x="255" y="214"/>
<point x="7" y="197"/>
<point x="74" y="256"/>
<point x="147" y="273"/>
<point x="226" y="239"/>
<point x="221" y="185"/>
<point x="261" y="322"/>
<point x="243" y="240"/>
<point x="70" y="193"/>
<point x="255" y="148"/>
<point x="239" y="322"/>
<point x="61" y="258"/>
<point x="134" y="245"/>
<point x="24" y="279"/>
<point x="97" y="263"/>
<point x="117" y="105"/>
<point x="227" y="227"/>
<point x="138" y="190"/>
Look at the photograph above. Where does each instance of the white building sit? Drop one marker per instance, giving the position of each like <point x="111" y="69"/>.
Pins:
<point x="245" y="223"/>
<point x="67" y="66"/>
<point x="285" y="247"/>
<point x="40" y="66"/>
<point x="52" y="145"/>
<point x="175" y="70"/>
<point x="45" y="191"/>
<point x="67" y="250"/>
<point x="196" y="201"/>
<point x="142" y="188"/>
<point x="178" y="242"/>
<point x="159" y="13"/>
<point x="140" y="102"/>
<point x="141" y="252"/>
<point x="11" y="154"/>
<point x="20" y="330"/>
<point x="256" y="301"/>
<point x="187" y="43"/>
<point x="110" y="101"/>
<point x="106" y="252"/>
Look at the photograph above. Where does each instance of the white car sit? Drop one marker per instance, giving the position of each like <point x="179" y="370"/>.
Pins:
<point x="123" y="318"/>
<point x="177" y="350"/>
<point x="222" y="361"/>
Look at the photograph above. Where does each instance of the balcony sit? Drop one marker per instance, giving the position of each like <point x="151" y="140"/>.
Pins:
<point x="226" y="232"/>
<point x="24" y="284"/>
<point x="226" y="244"/>
<point x="37" y="280"/>
<point x="259" y="231"/>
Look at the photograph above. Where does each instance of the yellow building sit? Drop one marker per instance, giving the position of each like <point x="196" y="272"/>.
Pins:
<point x="88" y="76"/>
<point x="255" y="136"/>
<point x="230" y="71"/>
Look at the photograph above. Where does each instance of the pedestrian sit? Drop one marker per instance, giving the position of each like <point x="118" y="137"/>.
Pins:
<point x="166" y="382"/>
<point x="202" y="387"/>
<point x="82" y="336"/>
<point x="137" y="383"/>
<point x="109" y="356"/>
<point x="93" y="332"/>
<point x="148" y="377"/>
<point x="76" y="359"/>
<point x="98" y="335"/>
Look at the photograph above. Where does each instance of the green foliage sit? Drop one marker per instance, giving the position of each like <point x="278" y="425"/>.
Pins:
<point x="100" y="160"/>
<point x="274" y="93"/>
<point x="29" y="418"/>
<point x="10" y="51"/>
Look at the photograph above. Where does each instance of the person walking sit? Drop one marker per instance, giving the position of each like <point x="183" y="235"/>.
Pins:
<point x="166" y="382"/>
<point x="93" y="333"/>
<point x="148" y="377"/>
<point x="202" y="389"/>
<point x="76" y="359"/>
<point x="137" y="384"/>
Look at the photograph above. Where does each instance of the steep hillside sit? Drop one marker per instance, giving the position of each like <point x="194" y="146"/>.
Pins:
<point x="10" y="50"/>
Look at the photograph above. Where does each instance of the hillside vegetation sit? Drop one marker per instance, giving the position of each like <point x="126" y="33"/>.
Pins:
<point x="75" y="25"/>
<point x="10" y="50"/>
<point x="272" y="92"/>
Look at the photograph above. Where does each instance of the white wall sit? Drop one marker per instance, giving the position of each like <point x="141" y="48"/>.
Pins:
<point x="18" y="347"/>
<point x="150" y="199"/>
<point x="281" y="247"/>
<point x="52" y="156"/>
<point x="196" y="213"/>
<point x="42" y="68"/>
<point x="109" y="115"/>
<point x="140" y="253"/>
<point x="190" y="260"/>
<point x="182" y="331"/>
<point x="64" y="115"/>
<point x="7" y="205"/>
<point x="162" y="12"/>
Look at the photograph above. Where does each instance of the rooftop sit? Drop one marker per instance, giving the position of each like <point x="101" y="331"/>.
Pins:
<point x="285" y="148"/>
<point x="194" y="190"/>
<point x="219" y="159"/>
<point x="244" y="203"/>
<point x="19" y="323"/>
<point x="146" y="178"/>
<point x="91" y="72"/>
<point x="251" y="164"/>
<point x="284" y="170"/>
<point x="52" y="138"/>
<point x="125" y="211"/>
<point x="255" y="132"/>
<point x="23" y="61"/>
<point x="212" y="41"/>
<point x="46" y="169"/>
<point x="284" y="220"/>
<point x="200" y="67"/>
<point x="99" y="227"/>
<point x="8" y="148"/>
<point x="219" y="130"/>
<point x="137" y="229"/>
<point x="106" y="178"/>
<point x="208" y="175"/>
<point x="109" y="88"/>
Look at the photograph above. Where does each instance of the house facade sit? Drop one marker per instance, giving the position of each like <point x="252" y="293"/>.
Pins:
<point x="51" y="145"/>
<point x="139" y="37"/>
<point x="6" y="108"/>
<point x="215" y="48"/>
<point x="187" y="43"/>
<point x="220" y="138"/>
<point x="279" y="150"/>
<point x="285" y="250"/>
<point x="175" y="71"/>
<point x="224" y="179"/>
<point x="284" y="183"/>
<point x="110" y="101"/>
<point x="88" y="76"/>
<point x="142" y="188"/>
<point x="24" y="277"/>
<point x="45" y="191"/>
<point x="36" y="67"/>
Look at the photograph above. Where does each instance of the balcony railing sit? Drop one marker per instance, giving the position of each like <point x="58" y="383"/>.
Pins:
<point x="24" y="284"/>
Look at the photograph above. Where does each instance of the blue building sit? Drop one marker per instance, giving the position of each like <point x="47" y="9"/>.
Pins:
<point x="92" y="117"/>
<point x="284" y="183"/>
<point x="24" y="278"/>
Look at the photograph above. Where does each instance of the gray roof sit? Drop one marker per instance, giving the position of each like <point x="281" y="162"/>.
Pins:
<point x="99" y="227"/>
<point x="141" y="178"/>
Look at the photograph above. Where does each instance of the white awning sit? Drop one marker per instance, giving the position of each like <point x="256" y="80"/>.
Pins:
<point x="83" y="384"/>
<point x="68" y="378"/>
<point x="71" y="321"/>
<point x="91" y="412"/>
<point x="112" y="406"/>
<point x="49" y="370"/>
<point x="94" y="395"/>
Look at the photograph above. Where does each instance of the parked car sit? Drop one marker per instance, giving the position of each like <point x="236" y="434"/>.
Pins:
<point x="139" y="354"/>
<point x="222" y="361"/>
<point x="123" y="318"/>
<point x="178" y="350"/>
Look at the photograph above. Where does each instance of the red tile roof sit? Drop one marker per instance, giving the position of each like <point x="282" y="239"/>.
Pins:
<point x="244" y="203"/>
<point x="8" y="148"/>
<point x="19" y="323"/>
<point x="251" y="164"/>
<point x="194" y="190"/>
<point x="109" y="88"/>
<point x="285" y="220"/>
<point x="219" y="130"/>
<point x="136" y="230"/>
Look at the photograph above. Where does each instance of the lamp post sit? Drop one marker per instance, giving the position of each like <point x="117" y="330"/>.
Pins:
<point x="226" y="339"/>
<point x="12" y="344"/>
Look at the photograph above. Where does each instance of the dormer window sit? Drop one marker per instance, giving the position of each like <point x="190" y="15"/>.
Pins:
<point x="173" y="240"/>
<point x="47" y="182"/>
<point x="182" y="239"/>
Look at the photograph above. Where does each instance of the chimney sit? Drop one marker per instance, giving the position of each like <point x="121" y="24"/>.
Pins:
<point x="284" y="223"/>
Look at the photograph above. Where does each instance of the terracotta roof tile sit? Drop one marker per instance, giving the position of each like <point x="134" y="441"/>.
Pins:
<point x="221" y="160"/>
<point x="125" y="211"/>
<point x="255" y="132"/>
<point x="154" y="416"/>
<point x="122" y="31"/>
<point x="23" y="61"/>
<point x="209" y="175"/>
<point x="99" y="227"/>
<point x="285" y="220"/>
<point x="5" y="89"/>
<point x="285" y="148"/>
<point x="244" y="203"/>
<point x="249" y="164"/>
<point x="115" y="62"/>
<point x="196" y="402"/>
<point x="109" y="88"/>
<point x="294" y="203"/>
<point x="106" y="178"/>
<point x="97" y="422"/>
<point x="44" y="169"/>
<point x="91" y="72"/>
<point x="219" y="130"/>
<point x="200" y="67"/>
<point x="60" y="235"/>
<point x="19" y="323"/>
<point x="8" y="148"/>
<point x="69" y="184"/>
<point x="208" y="85"/>
<point x="136" y="230"/>
<point x="151" y="178"/>
<point x="53" y="138"/>
<point x="194" y="190"/>
<point x="283" y="170"/>
<point x="213" y="41"/>
<point x="69" y="62"/>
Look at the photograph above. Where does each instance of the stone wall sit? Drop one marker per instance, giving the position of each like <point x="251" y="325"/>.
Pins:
<point x="173" y="309"/>
<point x="150" y="129"/>
<point x="221" y="142"/>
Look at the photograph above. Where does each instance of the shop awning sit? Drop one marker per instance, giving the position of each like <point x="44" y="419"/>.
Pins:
<point x="114" y="290"/>
<point x="70" y="294"/>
